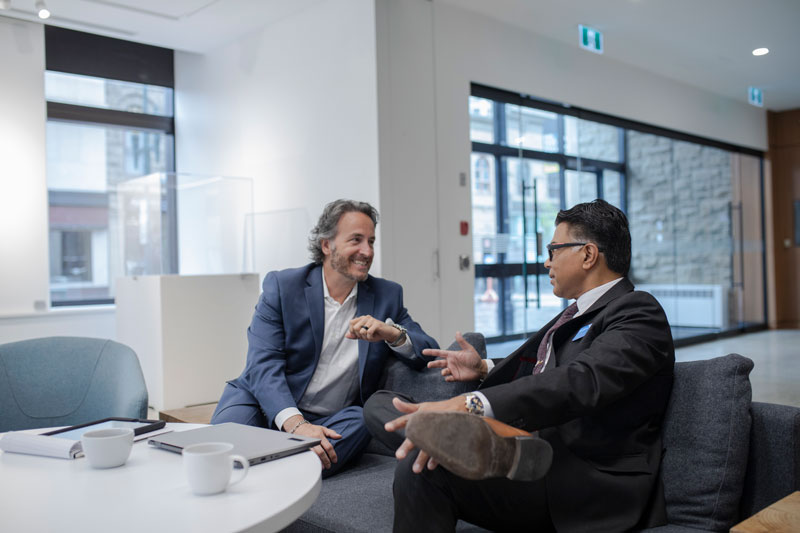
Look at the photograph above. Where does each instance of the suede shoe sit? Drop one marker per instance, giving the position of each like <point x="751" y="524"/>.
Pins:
<point x="475" y="447"/>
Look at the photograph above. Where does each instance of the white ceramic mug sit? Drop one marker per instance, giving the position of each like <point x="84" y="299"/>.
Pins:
<point x="107" y="448"/>
<point x="208" y="467"/>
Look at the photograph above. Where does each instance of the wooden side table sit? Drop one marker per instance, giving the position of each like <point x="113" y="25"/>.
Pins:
<point x="782" y="516"/>
<point x="197" y="414"/>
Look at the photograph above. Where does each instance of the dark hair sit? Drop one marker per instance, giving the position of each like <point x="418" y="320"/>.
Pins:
<point x="329" y="220"/>
<point x="604" y="225"/>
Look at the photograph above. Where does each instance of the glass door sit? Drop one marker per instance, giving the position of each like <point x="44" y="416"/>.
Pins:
<point x="515" y="202"/>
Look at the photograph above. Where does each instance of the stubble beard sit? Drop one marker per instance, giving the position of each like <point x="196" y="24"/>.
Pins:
<point x="341" y="265"/>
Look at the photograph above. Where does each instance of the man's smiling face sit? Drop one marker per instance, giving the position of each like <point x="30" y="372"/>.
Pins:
<point x="351" y="251"/>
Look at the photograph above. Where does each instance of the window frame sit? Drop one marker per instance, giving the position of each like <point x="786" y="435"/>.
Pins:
<point x="504" y="272"/>
<point x="79" y="53"/>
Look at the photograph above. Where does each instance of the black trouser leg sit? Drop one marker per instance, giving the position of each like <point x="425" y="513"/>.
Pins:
<point x="378" y="410"/>
<point x="434" y="500"/>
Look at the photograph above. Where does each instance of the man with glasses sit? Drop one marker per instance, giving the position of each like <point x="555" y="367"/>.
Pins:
<point x="594" y="383"/>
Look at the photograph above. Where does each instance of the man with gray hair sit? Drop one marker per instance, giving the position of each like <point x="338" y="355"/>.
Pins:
<point x="320" y="337"/>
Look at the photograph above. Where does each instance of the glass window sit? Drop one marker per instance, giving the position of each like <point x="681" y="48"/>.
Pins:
<point x="85" y="163"/>
<point x="694" y="211"/>
<point x="481" y="115"/>
<point x="612" y="188"/>
<point x="531" y="129"/>
<point x="107" y="94"/>
<point x="541" y="203"/>
<point x="584" y="138"/>
<point x="484" y="206"/>
<point x="487" y="317"/>
<point x="579" y="187"/>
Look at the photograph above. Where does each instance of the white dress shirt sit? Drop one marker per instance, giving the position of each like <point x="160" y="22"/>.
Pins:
<point x="585" y="301"/>
<point x="334" y="384"/>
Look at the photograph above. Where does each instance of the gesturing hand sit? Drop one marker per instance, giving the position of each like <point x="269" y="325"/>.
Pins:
<point x="461" y="365"/>
<point x="324" y="450"/>
<point x="453" y="404"/>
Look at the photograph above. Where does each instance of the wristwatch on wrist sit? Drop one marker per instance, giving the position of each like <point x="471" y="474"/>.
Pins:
<point x="474" y="404"/>
<point x="401" y="339"/>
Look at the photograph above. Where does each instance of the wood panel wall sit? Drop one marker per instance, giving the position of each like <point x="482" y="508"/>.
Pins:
<point x="784" y="155"/>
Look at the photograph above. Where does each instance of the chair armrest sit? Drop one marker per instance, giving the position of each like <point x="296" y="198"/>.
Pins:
<point x="773" y="464"/>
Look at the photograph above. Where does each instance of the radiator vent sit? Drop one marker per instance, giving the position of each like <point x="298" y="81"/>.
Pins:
<point x="688" y="305"/>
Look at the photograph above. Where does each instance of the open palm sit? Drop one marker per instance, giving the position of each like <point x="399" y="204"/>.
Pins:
<point x="458" y="365"/>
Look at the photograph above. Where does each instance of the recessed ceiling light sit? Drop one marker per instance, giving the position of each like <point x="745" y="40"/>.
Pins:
<point x="760" y="51"/>
<point x="41" y="10"/>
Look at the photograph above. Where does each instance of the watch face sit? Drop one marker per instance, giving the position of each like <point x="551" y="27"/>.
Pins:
<point x="474" y="404"/>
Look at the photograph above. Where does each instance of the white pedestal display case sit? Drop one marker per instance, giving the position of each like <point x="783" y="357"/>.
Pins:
<point x="190" y="332"/>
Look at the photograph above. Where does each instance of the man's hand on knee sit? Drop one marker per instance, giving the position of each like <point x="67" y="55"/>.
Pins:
<point x="453" y="404"/>
<point x="298" y="426"/>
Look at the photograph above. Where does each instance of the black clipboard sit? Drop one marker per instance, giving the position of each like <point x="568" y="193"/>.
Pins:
<point x="139" y="427"/>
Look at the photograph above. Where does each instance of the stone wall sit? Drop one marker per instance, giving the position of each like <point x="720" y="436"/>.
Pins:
<point x="679" y="197"/>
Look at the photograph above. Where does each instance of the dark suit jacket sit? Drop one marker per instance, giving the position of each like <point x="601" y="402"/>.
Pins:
<point x="600" y="403"/>
<point x="285" y="338"/>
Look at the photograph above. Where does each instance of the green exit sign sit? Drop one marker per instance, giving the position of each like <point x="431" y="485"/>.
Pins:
<point x="591" y="39"/>
<point x="755" y="96"/>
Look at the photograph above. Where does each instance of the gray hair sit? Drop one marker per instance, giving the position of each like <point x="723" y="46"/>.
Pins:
<point x="329" y="220"/>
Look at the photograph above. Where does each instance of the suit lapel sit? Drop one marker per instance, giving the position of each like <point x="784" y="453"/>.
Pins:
<point x="566" y="331"/>
<point x="316" y="308"/>
<point x="531" y="346"/>
<point x="365" y="305"/>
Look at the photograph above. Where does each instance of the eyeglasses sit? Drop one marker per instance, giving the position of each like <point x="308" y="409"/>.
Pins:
<point x="551" y="247"/>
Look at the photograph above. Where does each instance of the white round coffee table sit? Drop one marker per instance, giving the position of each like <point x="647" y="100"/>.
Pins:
<point x="150" y="493"/>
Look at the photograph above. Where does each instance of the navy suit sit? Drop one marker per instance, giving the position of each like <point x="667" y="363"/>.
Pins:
<point x="285" y="340"/>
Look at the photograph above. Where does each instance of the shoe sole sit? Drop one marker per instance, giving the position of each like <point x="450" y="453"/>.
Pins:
<point x="465" y="445"/>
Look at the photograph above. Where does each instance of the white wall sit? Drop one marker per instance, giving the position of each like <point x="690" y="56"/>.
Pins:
<point x="24" y="267"/>
<point x="407" y="133"/>
<point x="94" y="321"/>
<point x="294" y="106"/>
<point x="466" y="47"/>
<point x="24" y="276"/>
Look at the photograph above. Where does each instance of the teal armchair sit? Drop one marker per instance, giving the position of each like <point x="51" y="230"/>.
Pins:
<point x="62" y="381"/>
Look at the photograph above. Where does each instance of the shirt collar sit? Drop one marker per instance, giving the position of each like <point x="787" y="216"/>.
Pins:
<point x="588" y="298"/>
<point x="327" y="295"/>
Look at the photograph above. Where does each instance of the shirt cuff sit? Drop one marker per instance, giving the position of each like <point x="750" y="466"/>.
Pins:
<point x="489" y="365"/>
<point x="407" y="348"/>
<point x="285" y="415"/>
<point x="487" y="407"/>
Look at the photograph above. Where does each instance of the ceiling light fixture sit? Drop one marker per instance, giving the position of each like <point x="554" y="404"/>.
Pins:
<point x="42" y="10"/>
<point x="760" y="51"/>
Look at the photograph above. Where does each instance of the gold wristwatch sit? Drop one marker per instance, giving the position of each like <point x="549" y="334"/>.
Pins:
<point x="474" y="404"/>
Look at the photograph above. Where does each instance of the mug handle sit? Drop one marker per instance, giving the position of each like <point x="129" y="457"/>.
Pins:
<point x="245" y="467"/>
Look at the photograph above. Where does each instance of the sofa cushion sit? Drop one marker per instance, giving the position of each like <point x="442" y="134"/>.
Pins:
<point x="428" y="384"/>
<point x="706" y="440"/>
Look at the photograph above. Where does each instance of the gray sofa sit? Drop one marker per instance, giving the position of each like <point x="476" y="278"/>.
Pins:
<point x="725" y="457"/>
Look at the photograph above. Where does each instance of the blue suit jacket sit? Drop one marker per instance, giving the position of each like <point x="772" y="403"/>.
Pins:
<point x="285" y="338"/>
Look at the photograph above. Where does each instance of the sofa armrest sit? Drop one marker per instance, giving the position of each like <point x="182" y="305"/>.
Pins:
<point x="773" y="465"/>
<point x="428" y="384"/>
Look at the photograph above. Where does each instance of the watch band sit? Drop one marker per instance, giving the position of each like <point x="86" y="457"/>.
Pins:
<point x="402" y="338"/>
